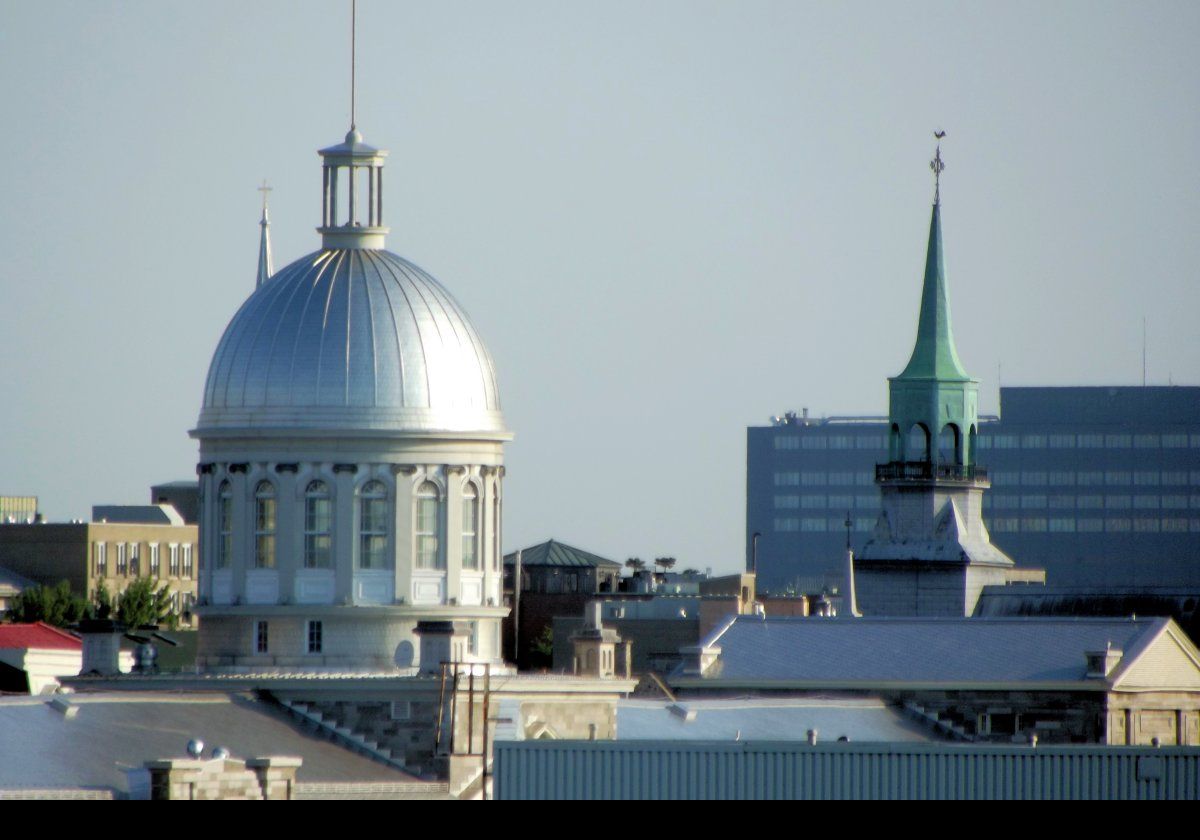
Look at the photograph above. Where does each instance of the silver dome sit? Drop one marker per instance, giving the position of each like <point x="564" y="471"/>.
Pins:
<point x="355" y="340"/>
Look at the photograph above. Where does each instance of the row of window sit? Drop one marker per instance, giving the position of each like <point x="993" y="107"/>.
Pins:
<point x="830" y="442"/>
<point x="1013" y="524"/>
<point x="314" y="637"/>
<point x="1004" y="478"/>
<point x="1004" y="441"/>
<point x="821" y="524"/>
<point x="820" y="478"/>
<point x="128" y="560"/>
<point x="1012" y="501"/>
<point x="1093" y="478"/>
<point x="373" y="510"/>
<point x="1095" y="525"/>
<point x="1090" y="441"/>
<point x="819" y="501"/>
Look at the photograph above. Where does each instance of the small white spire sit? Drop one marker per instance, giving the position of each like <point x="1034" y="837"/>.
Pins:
<point x="266" y="266"/>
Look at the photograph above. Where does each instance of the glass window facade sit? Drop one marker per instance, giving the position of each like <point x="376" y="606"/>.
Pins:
<point x="1069" y="468"/>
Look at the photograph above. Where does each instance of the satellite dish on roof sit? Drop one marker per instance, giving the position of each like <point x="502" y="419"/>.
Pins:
<point x="195" y="748"/>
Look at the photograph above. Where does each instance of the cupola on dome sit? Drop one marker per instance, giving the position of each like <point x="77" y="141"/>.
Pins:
<point x="351" y="337"/>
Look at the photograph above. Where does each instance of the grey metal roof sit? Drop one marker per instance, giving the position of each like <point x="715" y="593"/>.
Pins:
<point x="554" y="553"/>
<point x="114" y="732"/>
<point x="137" y="514"/>
<point x="922" y="650"/>
<point x="856" y="719"/>
<point x="351" y="339"/>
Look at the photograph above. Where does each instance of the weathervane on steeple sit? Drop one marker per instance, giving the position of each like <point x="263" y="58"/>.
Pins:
<point x="937" y="166"/>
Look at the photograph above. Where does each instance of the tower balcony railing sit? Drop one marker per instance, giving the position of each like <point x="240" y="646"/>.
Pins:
<point x="925" y="471"/>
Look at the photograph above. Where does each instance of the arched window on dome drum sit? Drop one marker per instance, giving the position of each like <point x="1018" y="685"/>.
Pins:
<point x="224" y="526"/>
<point x="264" y="525"/>
<point x="470" y="527"/>
<point x="428" y="521"/>
<point x="372" y="526"/>
<point x="318" y="524"/>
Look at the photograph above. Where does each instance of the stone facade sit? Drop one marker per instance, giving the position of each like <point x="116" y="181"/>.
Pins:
<point x="223" y="778"/>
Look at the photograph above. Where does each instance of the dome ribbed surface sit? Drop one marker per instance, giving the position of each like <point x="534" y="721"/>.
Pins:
<point x="351" y="339"/>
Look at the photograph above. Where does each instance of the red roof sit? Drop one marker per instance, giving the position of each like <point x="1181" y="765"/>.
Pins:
<point x="39" y="635"/>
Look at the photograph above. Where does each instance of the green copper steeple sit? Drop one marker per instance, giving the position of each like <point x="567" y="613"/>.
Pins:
<point x="934" y="356"/>
<point x="933" y="404"/>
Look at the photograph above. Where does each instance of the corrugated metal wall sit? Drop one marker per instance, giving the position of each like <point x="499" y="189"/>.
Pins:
<point x="770" y="770"/>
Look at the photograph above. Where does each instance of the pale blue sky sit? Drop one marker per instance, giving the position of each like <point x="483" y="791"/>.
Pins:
<point x="669" y="220"/>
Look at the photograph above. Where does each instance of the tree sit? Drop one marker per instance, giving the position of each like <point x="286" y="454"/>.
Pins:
<point x="543" y="645"/>
<point x="103" y="607"/>
<point x="52" y="604"/>
<point x="665" y="563"/>
<point x="636" y="564"/>
<point x="140" y="604"/>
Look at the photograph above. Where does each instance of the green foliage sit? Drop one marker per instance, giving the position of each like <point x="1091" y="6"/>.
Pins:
<point x="103" y="607"/>
<point x="543" y="645"/>
<point x="141" y="604"/>
<point x="52" y="604"/>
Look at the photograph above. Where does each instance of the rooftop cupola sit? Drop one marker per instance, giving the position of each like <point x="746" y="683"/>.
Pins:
<point x="352" y="203"/>
<point x="933" y="403"/>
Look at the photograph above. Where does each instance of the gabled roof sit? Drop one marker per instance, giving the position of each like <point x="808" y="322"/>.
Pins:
<point x="927" y="651"/>
<point x="37" y="636"/>
<point x="553" y="553"/>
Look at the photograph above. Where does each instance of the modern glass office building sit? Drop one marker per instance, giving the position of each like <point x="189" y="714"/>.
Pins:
<point x="1100" y="486"/>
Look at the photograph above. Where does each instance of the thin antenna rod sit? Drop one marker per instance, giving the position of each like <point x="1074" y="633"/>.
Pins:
<point x="353" y="58"/>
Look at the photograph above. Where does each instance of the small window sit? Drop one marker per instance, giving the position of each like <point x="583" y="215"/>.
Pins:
<point x="173" y="561"/>
<point x="155" y="563"/>
<point x="315" y="641"/>
<point x="135" y="559"/>
<point x="401" y="710"/>
<point x="189" y="568"/>
<point x="261" y="639"/>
